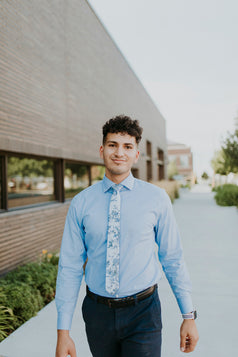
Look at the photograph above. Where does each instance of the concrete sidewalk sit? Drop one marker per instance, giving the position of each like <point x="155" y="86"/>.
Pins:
<point x="210" y="241"/>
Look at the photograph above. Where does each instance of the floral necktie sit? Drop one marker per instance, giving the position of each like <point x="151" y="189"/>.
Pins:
<point x="113" y="244"/>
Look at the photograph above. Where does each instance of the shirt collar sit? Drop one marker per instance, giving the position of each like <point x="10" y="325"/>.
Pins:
<point x="128" y="182"/>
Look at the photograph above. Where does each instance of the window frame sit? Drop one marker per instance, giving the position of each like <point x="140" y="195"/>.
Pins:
<point x="57" y="191"/>
<point x="58" y="175"/>
<point x="77" y="163"/>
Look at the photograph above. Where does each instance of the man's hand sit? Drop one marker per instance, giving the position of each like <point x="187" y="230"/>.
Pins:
<point x="65" y="345"/>
<point x="188" y="336"/>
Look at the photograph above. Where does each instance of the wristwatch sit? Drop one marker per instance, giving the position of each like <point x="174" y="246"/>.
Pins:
<point x="190" y="315"/>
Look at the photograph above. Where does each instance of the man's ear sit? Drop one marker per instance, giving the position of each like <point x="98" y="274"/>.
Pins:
<point x="137" y="156"/>
<point x="101" y="152"/>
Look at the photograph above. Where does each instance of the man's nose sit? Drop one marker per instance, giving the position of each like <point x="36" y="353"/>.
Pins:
<point x="119" y="151"/>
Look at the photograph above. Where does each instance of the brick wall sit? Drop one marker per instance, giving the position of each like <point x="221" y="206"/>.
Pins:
<point x="24" y="233"/>
<point x="61" y="78"/>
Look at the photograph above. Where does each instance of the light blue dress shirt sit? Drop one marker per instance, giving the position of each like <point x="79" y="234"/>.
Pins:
<point x="146" y="218"/>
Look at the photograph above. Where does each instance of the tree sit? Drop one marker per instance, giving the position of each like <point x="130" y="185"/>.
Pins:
<point x="18" y="166"/>
<point x="218" y="163"/>
<point x="75" y="169"/>
<point x="204" y="175"/>
<point x="172" y="169"/>
<point x="230" y="152"/>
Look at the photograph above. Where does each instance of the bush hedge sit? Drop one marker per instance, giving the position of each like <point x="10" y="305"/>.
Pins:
<point x="226" y="195"/>
<point x="26" y="290"/>
<point x="6" y="319"/>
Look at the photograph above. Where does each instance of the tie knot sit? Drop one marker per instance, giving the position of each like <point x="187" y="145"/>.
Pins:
<point x="117" y="187"/>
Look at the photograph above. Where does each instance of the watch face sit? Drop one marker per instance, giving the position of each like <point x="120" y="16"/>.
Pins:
<point x="195" y="314"/>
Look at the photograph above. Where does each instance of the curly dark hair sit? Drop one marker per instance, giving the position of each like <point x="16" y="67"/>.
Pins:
<point x="122" y="124"/>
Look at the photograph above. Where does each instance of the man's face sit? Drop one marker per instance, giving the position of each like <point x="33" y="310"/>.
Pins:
<point x="119" y="153"/>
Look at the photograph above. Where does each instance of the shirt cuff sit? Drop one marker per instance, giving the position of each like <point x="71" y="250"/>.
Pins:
<point x="185" y="304"/>
<point x="64" y="321"/>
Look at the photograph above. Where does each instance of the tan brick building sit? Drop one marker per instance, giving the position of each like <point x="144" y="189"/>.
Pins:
<point x="61" y="78"/>
<point x="182" y="156"/>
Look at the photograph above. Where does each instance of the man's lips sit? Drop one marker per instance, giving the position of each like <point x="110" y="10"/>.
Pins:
<point x="118" y="161"/>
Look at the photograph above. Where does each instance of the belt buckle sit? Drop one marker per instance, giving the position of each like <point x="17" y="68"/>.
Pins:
<point x="112" y="302"/>
<point x="122" y="301"/>
<point x="130" y="298"/>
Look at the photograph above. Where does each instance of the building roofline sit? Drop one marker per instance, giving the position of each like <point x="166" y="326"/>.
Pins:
<point x="123" y="57"/>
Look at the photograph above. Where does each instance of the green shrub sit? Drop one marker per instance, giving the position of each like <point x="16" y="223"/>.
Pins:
<point x="6" y="318"/>
<point x="176" y="192"/>
<point x="227" y="195"/>
<point x="22" y="299"/>
<point x="187" y="185"/>
<point x="54" y="259"/>
<point x="40" y="277"/>
<point x="26" y="290"/>
<point x="45" y="281"/>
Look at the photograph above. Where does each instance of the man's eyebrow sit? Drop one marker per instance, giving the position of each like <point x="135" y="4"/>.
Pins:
<point x="115" y="142"/>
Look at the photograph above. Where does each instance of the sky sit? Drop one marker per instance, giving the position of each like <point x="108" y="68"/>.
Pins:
<point x="185" y="53"/>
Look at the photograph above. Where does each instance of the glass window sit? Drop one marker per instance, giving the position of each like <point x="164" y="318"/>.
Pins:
<point x="172" y="158"/>
<point x="184" y="160"/>
<point x="148" y="148"/>
<point x="160" y="172"/>
<point x="76" y="178"/>
<point x="149" y="170"/>
<point x="97" y="173"/>
<point x="30" y="181"/>
<point x="160" y="155"/>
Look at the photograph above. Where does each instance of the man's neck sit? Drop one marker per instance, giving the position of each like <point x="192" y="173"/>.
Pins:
<point x="116" y="178"/>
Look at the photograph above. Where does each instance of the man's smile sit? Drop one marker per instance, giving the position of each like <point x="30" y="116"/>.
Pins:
<point x="118" y="161"/>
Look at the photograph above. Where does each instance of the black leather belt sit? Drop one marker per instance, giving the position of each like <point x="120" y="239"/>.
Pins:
<point x="122" y="302"/>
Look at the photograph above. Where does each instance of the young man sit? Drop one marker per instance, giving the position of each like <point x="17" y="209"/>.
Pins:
<point x="115" y="224"/>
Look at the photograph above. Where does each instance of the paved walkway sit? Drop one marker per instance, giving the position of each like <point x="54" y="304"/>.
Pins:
<point x="210" y="240"/>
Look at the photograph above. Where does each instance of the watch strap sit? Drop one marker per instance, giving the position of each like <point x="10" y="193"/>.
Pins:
<point x="190" y="315"/>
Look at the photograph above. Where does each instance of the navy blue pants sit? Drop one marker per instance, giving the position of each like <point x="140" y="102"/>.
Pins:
<point x="131" y="331"/>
